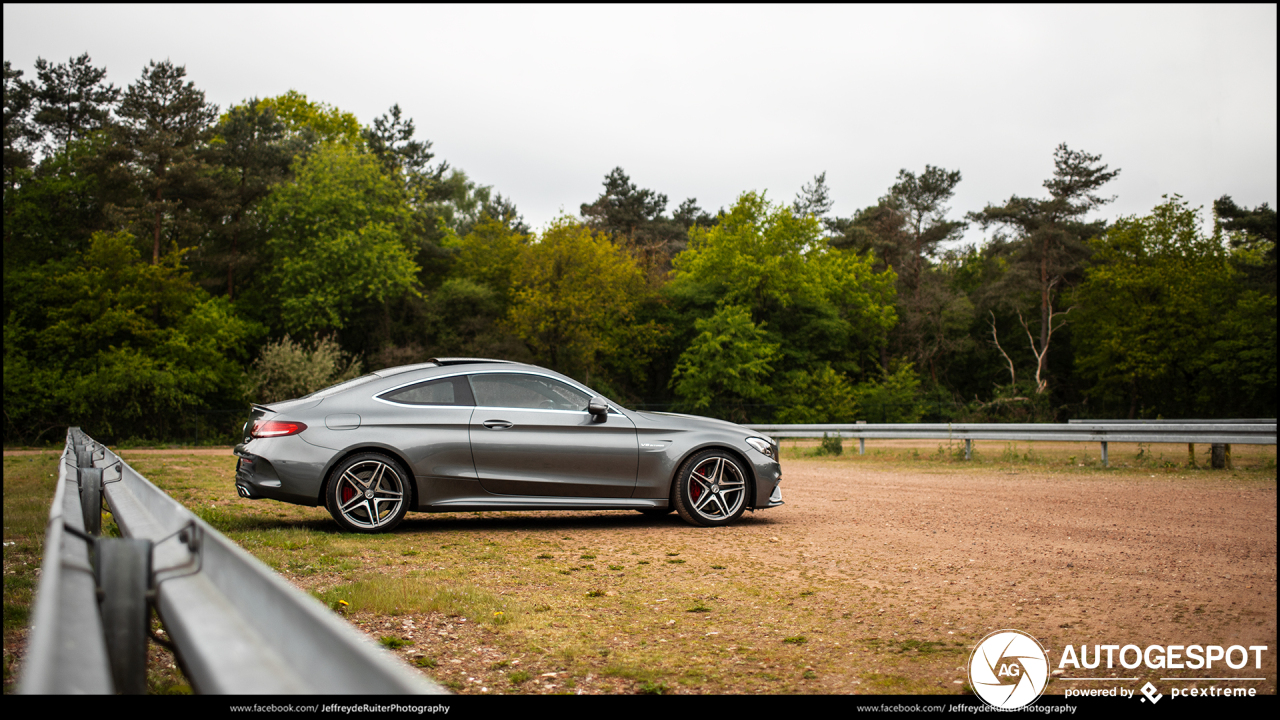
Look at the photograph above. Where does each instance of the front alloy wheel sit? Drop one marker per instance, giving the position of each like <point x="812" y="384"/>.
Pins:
<point x="711" y="489"/>
<point x="368" y="493"/>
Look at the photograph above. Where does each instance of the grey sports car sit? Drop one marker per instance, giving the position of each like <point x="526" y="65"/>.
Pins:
<point x="472" y="434"/>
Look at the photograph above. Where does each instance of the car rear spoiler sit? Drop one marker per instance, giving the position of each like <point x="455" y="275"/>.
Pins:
<point x="464" y="361"/>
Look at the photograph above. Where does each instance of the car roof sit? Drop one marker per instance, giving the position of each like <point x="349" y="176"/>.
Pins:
<point x="435" y="362"/>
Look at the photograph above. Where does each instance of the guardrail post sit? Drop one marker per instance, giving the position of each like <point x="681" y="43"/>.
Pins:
<point x="90" y="482"/>
<point x="968" y="449"/>
<point x="1104" y="454"/>
<point x="1217" y="456"/>
<point x="862" y="442"/>
<point x="122" y="568"/>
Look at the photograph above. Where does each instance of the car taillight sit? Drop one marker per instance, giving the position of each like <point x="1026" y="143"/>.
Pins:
<point x="275" y="428"/>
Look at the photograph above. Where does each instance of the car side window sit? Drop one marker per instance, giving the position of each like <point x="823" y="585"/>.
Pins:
<point x="532" y="392"/>
<point x="448" y="391"/>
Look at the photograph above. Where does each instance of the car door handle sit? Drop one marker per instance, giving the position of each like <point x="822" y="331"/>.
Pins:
<point x="496" y="424"/>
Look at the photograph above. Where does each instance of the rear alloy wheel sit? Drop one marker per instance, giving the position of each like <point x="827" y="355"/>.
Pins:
<point x="711" y="489"/>
<point x="368" y="493"/>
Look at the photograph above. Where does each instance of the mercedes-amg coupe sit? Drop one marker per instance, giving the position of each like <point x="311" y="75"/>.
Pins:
<point x="456" y="434"/>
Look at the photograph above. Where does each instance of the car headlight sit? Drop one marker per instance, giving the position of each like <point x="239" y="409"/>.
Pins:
<point x="765" y="447"/>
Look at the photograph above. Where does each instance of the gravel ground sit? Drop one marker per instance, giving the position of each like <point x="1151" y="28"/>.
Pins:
<point x="895" y="570"/>
<point x="878" y="575"/>
<point x="1081" y="559"/>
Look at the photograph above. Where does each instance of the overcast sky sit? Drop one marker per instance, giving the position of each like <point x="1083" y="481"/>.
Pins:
<point x="709" y="101"/>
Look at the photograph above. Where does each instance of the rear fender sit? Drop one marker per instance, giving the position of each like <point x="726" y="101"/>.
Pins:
<point x="380" y="449"/>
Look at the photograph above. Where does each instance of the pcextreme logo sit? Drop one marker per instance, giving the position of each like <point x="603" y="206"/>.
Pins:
<point x="1008" y="669"/>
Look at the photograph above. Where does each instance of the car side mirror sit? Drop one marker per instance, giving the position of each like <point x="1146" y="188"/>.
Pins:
<point x="599" y="409"/>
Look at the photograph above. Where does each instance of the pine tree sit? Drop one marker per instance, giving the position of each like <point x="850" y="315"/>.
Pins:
<point x="72" y="100"/>
<point x="164" y="123"/>
<point x="1048" y="245"/>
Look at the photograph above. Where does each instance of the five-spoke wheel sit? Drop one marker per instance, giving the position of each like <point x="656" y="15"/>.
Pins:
<point x="368" y="493"/>
<point x="711" y="489"/>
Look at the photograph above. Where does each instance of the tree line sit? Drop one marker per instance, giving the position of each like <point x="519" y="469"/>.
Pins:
<point x="168" y="262"/>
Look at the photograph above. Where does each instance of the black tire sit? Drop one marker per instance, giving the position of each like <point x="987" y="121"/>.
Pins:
<point x="123" y="568"/>
<point x="711" y="489"/>
<point x="368" y="493"/>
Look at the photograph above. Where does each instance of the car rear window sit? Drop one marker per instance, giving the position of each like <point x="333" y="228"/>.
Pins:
<point x="447" y="391"/>
<point x="326" y="392"/>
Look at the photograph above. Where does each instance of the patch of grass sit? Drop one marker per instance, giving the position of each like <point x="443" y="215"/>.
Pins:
<point x="518" y="677"/>
<point x="650" y="687"/>
<point x="29" y="485"/>
<point x="393" y="642"/>
<point x="400" y="596"/>
<point x="796" y="640"/>
<point x="926" y="647"/>
<point x="615" y="567"/>
<point x="717" y="567"/>
<point x="595" y="593"/>
<point x="425" y="662"/>
<point x="545" y="556"/>
<point x="16" y="616"/>
<point x="699" y="608"/>
<point x="587" y="556"/>
<point x="677" y="561"/>
<point x="897" y="684"/>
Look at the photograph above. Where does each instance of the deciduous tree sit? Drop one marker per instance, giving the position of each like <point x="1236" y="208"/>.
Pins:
<point x="575" y="301"/>
<point x="338" y="239"/>
<point x="1166" y="327"/>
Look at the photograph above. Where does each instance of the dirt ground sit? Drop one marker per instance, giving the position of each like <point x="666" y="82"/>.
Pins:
<point x="879" y="574"/>
<point x="894" y="573"/>
<point x="1089" y="559"/>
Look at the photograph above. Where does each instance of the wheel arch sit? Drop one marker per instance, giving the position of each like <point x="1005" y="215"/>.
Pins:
<point x="747" y="467"/>
<point x="369" y="448"/>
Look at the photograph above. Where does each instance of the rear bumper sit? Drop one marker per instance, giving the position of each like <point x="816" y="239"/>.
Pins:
<point x="278" y="479"/>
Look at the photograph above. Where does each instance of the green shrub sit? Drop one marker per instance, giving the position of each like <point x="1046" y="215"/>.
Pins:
<point x="831" y="445"/>
<point x="287" y="369"/>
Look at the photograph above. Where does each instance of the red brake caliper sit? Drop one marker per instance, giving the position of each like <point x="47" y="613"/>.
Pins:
<point x="348" y="492"/>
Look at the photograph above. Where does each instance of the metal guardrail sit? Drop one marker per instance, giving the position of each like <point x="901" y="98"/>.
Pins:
<point x="1234" y="421"/>
<point x="235" y="625"/>
<point x="1214" y="433"/>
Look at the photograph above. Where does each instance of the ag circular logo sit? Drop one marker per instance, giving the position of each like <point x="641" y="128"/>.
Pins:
<point x="1008" y="669"/>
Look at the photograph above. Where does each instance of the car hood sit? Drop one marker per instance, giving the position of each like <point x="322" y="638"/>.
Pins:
<point x="692" y="422"/>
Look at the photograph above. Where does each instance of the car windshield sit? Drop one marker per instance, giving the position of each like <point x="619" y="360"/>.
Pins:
<point x="326" y="392"/>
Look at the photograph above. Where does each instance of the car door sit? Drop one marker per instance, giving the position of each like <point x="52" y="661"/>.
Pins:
<point x="429" y="422"/>
<point x="532" y="435"/>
